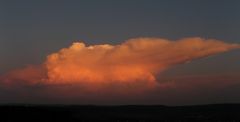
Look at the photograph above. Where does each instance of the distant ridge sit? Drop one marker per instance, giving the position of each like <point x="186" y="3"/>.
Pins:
<point x="121" y="105"/>
<point x="123" y="113"/>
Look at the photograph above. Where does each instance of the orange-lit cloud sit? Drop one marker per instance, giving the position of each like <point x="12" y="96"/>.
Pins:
<point x="133" y="64"/>
<point x="135" y="60"/>
<point x="30" y="75"/>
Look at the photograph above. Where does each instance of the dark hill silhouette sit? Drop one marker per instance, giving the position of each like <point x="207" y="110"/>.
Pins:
<point x="125" y="113"/>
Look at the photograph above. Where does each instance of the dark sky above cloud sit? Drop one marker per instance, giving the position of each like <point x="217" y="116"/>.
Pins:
<point x="31" y="30"/>
<point x="37" y="28"/>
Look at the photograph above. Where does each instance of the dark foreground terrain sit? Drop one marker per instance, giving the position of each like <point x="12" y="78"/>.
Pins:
<point x="44" y="113"/>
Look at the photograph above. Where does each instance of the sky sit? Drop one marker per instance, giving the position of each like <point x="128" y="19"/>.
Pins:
<point x="185" y="47"/>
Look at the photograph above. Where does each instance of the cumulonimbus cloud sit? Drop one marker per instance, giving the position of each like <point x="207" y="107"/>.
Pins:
<point x="134" y="62"/>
